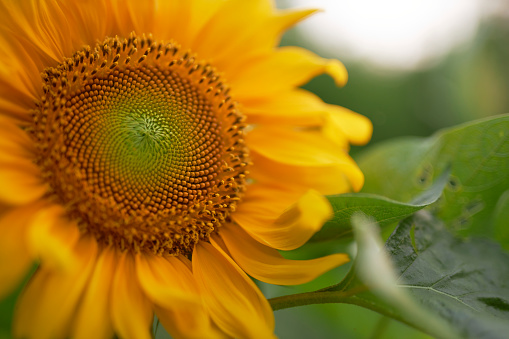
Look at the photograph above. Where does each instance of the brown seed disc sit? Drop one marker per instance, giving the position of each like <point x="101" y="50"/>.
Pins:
<point x="141" y="143"/>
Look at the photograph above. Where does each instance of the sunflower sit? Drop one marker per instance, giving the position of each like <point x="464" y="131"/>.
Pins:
<point x="153" y="156"/>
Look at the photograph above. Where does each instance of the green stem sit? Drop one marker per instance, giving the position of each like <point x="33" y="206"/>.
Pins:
<point x="308" y="298"/>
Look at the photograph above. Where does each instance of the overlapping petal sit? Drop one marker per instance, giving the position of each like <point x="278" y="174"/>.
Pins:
<point x="47" y="305"/>
<point x="169" y="283"/>
<point x="86" y="290"/>
<point x="20" y="181"/>
<point x="234" y="301"/>
<point x="303" y="159"/>
<point x="51" y="238"/>
<point x="266" y="264"/>
<point x="278" y="223"/>
<point x="280" y="71"/>
<point x="15" y="255"/>
<point x="93" y="317"/>
<point x="341" y="121"/>
<point x="130" y="309"/>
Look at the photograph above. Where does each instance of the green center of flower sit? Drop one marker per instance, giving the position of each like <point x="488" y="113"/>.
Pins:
<point x="145" y="155"/>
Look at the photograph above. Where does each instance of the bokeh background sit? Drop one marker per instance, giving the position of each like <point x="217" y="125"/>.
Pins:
<point x="415" y="66"/>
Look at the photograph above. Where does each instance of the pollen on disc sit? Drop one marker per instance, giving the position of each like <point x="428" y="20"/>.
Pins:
<point x="141" y="144"/>
<point x="144" y="138"/>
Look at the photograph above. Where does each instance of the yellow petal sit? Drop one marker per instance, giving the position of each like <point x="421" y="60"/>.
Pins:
<point x="51" y="237"/>
<point x="280" y="71"/>
<point x="131" y="311"/>
<point x="262" y="37"/>
<point x="87" y="20"/>
<point x="294" y="147"/>
<point x="236" y="305"/>
<point x="15" y="256"/>
<point x="93" y="318"/>
<point x="267" y="202"/>
<point x="48" y="304"/>
<point x="302" y="108"/>
<point x="12" y="109"/>
<point x="20" y="180"/>
<point x="342" y="121"/>
<point x="134" y="16"/>
<point x="295" y="107"/>
<point x="188" y="324"/>
<point x="268" y="35"/>
<point x="302" y="159"/>
<point x="227" y="27"/>
<point x="15" y="145"/>
<point x="167" y="282"/>
<point x="20" y="82"/>
<point x="266" y="264"/>
<point x="40" y="24"/>
<point x="293" y="228"/>
<point x="172" y="20"/>
<point x="325" y="179"/>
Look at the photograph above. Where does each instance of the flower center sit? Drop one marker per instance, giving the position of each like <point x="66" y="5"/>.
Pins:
<point x="141" y="143"/>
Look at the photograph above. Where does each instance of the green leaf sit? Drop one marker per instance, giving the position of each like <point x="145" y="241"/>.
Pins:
<point x="427" y="278"/>
<point x="374" y="283"/>
<point x="464" y="282"/>
<point x="501" y="218"/>
<point x="478" y="156"/>
<point x="385" y="211"/>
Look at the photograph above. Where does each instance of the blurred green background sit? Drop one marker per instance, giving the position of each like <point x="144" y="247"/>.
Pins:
<point x="470" y="82"/>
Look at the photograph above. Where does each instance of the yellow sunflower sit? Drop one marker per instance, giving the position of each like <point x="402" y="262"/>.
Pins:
<point x="153" y="156"/>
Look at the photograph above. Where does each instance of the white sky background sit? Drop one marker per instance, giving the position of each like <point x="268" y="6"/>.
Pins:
<point x="392" y="34"/>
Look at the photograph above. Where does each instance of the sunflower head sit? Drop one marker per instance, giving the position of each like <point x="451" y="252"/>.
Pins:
<point x="141" y="143"/>
<point x="156" y="172"/>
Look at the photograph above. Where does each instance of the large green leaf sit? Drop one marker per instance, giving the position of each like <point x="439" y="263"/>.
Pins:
<point x="464" y="282"/>
<point x="426" y="278"/>
<point x="385" y="211"/>
<point x="478" y="156"/>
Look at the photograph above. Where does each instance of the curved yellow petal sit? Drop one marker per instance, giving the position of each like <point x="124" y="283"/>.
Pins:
<point x="20" y="82"/>
<point x="341" y="121"/>
<point x="267" y="202"/>
<point x="15" y="255"/>
<point x="134" y="16"/>
<point x="296" y="107"/>
<point x="15" y="145"/>
<point x="299" y="107"/>
<point x="131" y="310"/>
<point x="167" y="282"/>
<point x="236" y="305"/>
<point x="51" y="237"/>
<point x="8" y="107"/>
<point x="20" y="182"/>
<point x="302" y="159"/>
<point x="327" y="180"/>
<point x="93" y="318"/>
<point x="293" y="228"/>
<point x="48" y="304"/>
<point x="227" y="27"/>
<point x="266" y="264"/>
<point x="294" y="147"/>
<point x="280" y="71"/>
<point x="262" y="38"/>
<point x="87" y="20"/>
<point x="188" y="324"/>
<point x="39" y="24"/>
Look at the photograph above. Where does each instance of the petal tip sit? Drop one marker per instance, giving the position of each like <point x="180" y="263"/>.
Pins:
<point x="337" y="71"/>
